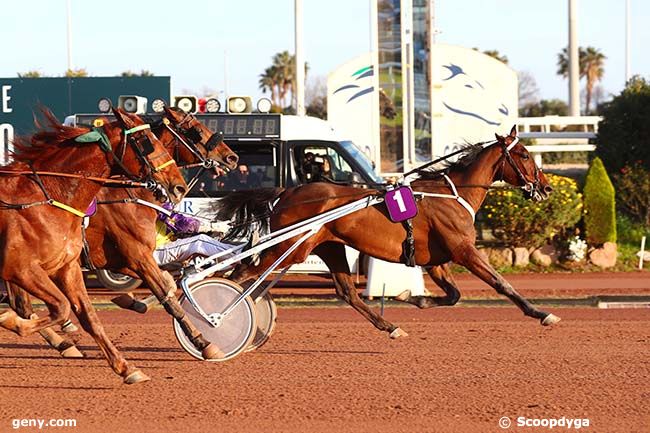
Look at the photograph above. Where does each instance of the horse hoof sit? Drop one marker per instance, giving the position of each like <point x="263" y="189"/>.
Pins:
<point x="549" y="320"/>
<point x="69" y="328"/>
<point x="212" y="352"/>
<point x="139" y="307"/>
<point x="71" y="352"/>
<point x="398" y="332"/>
<point x="403" y="296"/>
<point x="136" y="377"/>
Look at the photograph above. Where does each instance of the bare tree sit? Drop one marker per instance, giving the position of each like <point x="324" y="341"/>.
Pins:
<point x="528" y="90"/>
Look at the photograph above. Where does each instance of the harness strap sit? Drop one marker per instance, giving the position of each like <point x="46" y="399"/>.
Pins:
<point x="163" y="165"/>
<point x="454" y="196"/>
<point x="408" y="246"/>
<point x="65" y="207"/>
<point x="136" y="129"/>
<point x="85" y="249"/>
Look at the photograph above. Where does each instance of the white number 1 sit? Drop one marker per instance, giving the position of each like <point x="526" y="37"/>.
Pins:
<point x="400" y="201"/>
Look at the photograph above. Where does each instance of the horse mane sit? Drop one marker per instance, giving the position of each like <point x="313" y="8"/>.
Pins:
<point x="470" y="153"/>
<point x="244" y="209"/>
<point x="44" y="143"/>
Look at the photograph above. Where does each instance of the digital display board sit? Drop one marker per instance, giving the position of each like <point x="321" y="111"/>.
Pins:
<point x="242" y="125"/>
<point x="230" y="125"/>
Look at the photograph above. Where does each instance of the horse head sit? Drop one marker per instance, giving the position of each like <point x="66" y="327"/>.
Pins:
<point x="145" y="155"/>
<point x="518" y="168"/>
<point x="210" y="145"/>
<point x="470" y="98"/>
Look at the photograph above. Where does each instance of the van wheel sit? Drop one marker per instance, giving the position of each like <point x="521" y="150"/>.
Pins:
<point x="116" y="281"/>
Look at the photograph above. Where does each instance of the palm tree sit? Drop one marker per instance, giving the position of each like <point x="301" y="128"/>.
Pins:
<point x="594" y="70"/>
<point x="590" y="65"/>
<point x="284" y="64"/>
<point x="268" y="83"/>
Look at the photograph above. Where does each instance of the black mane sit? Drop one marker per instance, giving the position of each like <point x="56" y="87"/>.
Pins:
<point x="469" y="153"/>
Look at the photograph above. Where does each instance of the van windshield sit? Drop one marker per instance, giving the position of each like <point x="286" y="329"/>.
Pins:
<point x="362" y="159"/>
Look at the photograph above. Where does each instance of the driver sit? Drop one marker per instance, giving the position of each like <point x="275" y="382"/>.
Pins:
<point x="179" y="238"/>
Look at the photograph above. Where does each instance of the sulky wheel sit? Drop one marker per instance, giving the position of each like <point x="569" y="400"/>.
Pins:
<point x="267" y="314"/>
<point x="236" y="331"/>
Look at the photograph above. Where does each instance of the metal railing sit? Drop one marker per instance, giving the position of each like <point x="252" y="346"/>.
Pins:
<point x="545" y="131"/>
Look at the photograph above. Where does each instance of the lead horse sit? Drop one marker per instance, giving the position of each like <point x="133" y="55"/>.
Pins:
<point x="121" y="236"/>
<point x="40" y="239"/>
<point x="443" y="229"/>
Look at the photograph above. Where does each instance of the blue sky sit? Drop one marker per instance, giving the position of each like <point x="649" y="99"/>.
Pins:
<point x="187" y="40"/>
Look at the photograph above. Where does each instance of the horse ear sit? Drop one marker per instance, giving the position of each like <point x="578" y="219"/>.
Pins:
<point x="499" y="138"/>
<point x="123" y="118"/>
<point x="513" y="131"/>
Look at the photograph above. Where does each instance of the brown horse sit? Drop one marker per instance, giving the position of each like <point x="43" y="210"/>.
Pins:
<point x="41" y="244"/>
<point x="443" y="229"/>
<point x="121" y="236"/>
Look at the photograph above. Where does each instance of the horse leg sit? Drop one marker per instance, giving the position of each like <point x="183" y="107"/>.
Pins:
<point x="442" y="276"/>
<point x="163" y="286"/>
<point x="70" y="280"/>
<point x="468" y="256"/>
<point x="333" y="254"/>
<point x="21" y="303"/>
<point x="41" y="286"/>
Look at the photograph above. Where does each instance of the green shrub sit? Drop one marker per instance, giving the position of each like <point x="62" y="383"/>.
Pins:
<point x="629" y="231"/>
<point x="633" y="192"/>
<point x="519" y="222"/>
<point x="624" y="132"/>
<point x="599" y="205"/>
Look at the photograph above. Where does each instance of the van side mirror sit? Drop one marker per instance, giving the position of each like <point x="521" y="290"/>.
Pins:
<point x="355" y="178"/>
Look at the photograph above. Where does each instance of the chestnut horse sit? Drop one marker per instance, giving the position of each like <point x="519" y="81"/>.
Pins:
<point x="443" y="229"/>
<point x="40" y="244"/>
<point x="121" y="236"/>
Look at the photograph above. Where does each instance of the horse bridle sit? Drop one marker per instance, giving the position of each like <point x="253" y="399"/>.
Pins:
<point x="193" y="135"/>
<point x="143" y="148"/>
<point x="528" y="187"/>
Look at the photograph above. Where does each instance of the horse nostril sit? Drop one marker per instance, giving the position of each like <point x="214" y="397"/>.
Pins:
<point x="180" y="191"/>
<point x="548" y="189"/>
<point x="232" y="159"/>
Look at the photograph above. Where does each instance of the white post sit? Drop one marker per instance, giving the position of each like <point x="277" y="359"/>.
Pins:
<point x="69" y="34"/>
<point x="374" y="49"/>
<point x="627" y="41"/>
<point x="225" y="78"/>
<point x="300" y="61"/>
<point x="642" y="252"/>
<point x="574" y="67"/>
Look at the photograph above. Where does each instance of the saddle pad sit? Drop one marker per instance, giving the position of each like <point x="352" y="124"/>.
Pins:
<point x="401" y="204"/>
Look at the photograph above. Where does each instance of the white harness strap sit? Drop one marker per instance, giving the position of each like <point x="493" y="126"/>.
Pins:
<point x="454" y="196"/>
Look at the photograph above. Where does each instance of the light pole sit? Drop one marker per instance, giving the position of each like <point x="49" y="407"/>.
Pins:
<point x="574" y="71"/>
<point x="300" y="61"/>
<point x="69" y="34"/>
<point x="627" y="41"/>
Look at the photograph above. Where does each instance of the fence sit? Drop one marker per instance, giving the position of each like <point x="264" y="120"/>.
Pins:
<point x="549" y="133"/>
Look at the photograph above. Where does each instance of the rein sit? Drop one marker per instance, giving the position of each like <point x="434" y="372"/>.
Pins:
<point x="205" y="163"/>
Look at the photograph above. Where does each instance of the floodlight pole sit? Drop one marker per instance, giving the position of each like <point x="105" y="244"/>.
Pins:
<point x="574" y="57"/>
<point x="300" y="61"/>
<point x="627" y="41"/>
<point x="69" y="33"/>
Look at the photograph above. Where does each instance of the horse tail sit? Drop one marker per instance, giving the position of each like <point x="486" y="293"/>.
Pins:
<point x="245" y="208"/>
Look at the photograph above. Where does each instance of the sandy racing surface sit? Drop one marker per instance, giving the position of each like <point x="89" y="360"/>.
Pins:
<point x="327" y="370"/>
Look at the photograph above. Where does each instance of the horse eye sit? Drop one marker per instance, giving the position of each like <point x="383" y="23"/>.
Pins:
<point x="525" y="157"/>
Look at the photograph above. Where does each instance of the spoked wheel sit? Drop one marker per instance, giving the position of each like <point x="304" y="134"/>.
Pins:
<point x="267" y="314"/>
<point x="236" y="331"/>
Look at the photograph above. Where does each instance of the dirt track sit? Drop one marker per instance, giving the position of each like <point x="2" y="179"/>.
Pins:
<point x="327" y="370"/>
